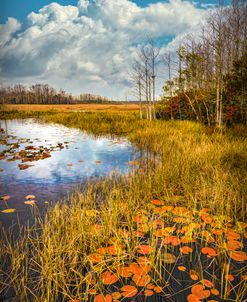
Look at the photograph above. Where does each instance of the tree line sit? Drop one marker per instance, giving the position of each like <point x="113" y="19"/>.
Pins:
<point x="45" y="94"/>
<point x="207" y="77"/>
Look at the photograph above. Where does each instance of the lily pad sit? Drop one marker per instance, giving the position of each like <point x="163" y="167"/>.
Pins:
<point x="7" y="211"/>
<point x="169" y="258"/>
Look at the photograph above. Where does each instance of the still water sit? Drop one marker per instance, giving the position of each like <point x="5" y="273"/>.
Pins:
<point x="49" y="161"/>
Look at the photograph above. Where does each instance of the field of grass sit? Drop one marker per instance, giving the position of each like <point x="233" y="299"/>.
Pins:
<point x="173" y="232"/>
<point x="74" y="107"/>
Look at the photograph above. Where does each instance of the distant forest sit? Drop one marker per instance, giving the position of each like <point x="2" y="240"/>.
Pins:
<point x="45" y="94"/>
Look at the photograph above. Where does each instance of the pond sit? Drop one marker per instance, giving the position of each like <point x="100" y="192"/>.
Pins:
<point x="49" y="161"/>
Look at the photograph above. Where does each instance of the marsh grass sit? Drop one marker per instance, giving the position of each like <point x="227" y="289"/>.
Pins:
<point x="201" y="173"/>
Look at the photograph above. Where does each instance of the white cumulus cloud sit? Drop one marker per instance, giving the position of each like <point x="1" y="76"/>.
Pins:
<point x="88" y="47"/>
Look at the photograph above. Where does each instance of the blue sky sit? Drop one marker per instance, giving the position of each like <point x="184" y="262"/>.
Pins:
<point x="90" y="45"/>
<point x="21" y="8"/>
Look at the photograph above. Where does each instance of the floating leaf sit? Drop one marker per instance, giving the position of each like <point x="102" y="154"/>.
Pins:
<point x="143" y="261"/>
<point x="199" y="292"/>
<point x="136" y="269"/>
<point x="193" y="298"/>
<point x="141" y="279"/>
<point x="169" y="258"/>
<point x="229" y="277"/>
<point x="102" y="298"/>
<point x="230" y="234"/>
<point x="207" y="219"/>
<point x="182" y="268"/>
<point x="150" y="286"/>
<point x="208" y="251"/>
<point x="175" y="241"/>
<point x="148" y="293"/>
<point x="215" y="292"/>
<point x="144" y="249"/>
<point x="140" y="218"/>
<point x="116" y="295"/>
<point x="124" y="271"/>
<point x="186" y="250"/>
<point x="129" y="291"/>
<point x="30" y="202"/>
<point x="158" y="289"/>
<point x="24" y="166"/>
<point x="92" y="291"/>
<point x="207" y="283"/>
<point x="234" y="245"/>
<point x="108" y="278"/>
<point x="95" y="258"/>
<point x="30" y="197"/>
<point x="5" y="198"/>
<point x="144" y="265"/>
<point x="238" y="256"/>
<point x="157" y="202"/>
<point x="193" y="275"/>
<point x="8" y="211"/>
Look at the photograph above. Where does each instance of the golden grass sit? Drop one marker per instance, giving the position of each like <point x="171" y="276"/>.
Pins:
<point x="199" y="181"/>
<point x="75" y="107"/>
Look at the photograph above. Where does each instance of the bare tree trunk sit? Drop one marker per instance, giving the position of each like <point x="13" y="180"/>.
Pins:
<point x="140" y="98"/>
<point x="150" y="98"/>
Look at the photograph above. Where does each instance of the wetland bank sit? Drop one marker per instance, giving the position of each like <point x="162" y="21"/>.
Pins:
<point x="174" y="232"/>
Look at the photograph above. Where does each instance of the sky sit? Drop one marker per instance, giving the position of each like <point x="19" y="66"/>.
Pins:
<point x="89" y="45"/>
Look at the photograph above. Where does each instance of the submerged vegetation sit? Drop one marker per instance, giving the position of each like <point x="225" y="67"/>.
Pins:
<point x="173" y="232"/>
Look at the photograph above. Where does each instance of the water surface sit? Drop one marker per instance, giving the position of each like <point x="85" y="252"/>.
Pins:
<point x="75" y="157"/>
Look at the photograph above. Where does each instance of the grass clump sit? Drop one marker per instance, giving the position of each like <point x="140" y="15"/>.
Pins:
<point x="173" y="231"/>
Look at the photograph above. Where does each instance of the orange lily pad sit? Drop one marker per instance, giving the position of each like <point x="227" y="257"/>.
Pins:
<point x="199" y="291"/>
<point x="207" y="283"/>
<point x="148" y="293"/>
<point x="129" y="291"/>
<point x="124" y="271"/>
<point x="229" y="277"/>
<point x="30" y="197"/>
<point x="193" y="298"/>
<point x="182" y="268"/>
<point x="209" y="251"/>
<point x="108" y="278"/>
<point x="102" y="298"/>
<point x="158" y="289"/>
<point x="186" y="250"/>
<point x="116" y="295"/>
<point x="193" y="275"/>
<point x="215" y="292"/>
<point x="157" y="202"/>
<point x="95" y="258"/>
<point x="141" y="279"/>
<point x="144" y="249"/>
<point x="238" y="256"/>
